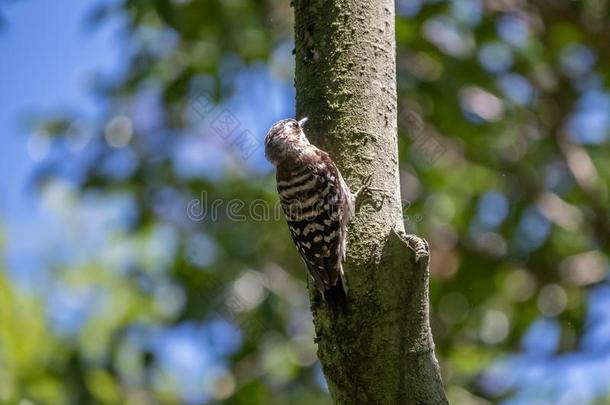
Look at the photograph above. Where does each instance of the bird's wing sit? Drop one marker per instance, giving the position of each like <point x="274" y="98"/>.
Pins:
<point x="314" y="211"/>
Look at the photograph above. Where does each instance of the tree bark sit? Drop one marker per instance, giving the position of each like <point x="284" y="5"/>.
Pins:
<point x="379" y="349"/>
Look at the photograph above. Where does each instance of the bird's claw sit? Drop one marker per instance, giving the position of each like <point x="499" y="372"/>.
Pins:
<point x="366" y="186"/>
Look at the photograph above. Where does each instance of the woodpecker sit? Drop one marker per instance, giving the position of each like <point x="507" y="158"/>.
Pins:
<point x="316" y="201"/>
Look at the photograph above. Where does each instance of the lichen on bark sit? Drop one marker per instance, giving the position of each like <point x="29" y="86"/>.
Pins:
<point x="379" y="349"/>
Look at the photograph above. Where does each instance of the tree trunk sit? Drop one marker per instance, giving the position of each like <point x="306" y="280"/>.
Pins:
<point x="379" y="349"/>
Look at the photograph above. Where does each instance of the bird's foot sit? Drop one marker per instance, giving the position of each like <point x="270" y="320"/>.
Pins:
<point x="366" y="188"/>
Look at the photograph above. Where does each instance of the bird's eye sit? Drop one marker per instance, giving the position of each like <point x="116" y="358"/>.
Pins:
<point x="294" y="125"/>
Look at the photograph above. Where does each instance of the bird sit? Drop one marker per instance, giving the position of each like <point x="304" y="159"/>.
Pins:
<point x="316" y="201"/>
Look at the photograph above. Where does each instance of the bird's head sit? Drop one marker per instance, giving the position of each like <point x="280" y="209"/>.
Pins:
<point x="285" y="139"/>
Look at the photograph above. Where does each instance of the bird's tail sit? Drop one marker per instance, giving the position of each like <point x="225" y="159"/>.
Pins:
<point x="335" y="296"/>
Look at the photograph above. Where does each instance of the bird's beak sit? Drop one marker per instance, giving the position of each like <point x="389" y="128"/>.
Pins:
<point x="302" y="121"/>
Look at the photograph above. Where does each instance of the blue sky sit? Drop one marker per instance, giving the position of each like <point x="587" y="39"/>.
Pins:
<point x="50" y="56"/>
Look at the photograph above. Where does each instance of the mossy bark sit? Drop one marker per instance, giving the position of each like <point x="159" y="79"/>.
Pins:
<point x="379" y="349"/>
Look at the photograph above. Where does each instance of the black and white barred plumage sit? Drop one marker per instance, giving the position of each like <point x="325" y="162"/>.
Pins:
<point x="316" y="200"/>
